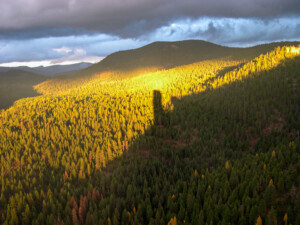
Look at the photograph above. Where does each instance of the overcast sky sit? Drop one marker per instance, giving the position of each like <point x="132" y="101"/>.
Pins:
<point x="64" y="31"/>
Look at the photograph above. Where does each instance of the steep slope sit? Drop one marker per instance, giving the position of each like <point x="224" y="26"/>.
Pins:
<point x="16" y="84"/>
<point x="219" y="145"/>
<point x="151" y="58"/>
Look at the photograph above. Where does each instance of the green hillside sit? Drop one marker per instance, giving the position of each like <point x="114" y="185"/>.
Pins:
<point x="154" y="57"/>
<point x="170" y="54"/>
<point x="211" y="142"/>
<point x="16" y="84"/>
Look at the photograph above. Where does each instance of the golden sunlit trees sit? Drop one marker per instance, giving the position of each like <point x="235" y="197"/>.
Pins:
<point x="69" y="156"/>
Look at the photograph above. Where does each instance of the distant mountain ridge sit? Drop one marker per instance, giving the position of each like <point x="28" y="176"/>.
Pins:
<point x="165" y="55"/>
<point x="154" y="57"/>
<point x="150" y="58"/>
<point x="50" y="71"/>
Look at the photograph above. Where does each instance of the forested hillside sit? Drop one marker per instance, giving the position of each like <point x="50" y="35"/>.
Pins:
<point x="212" y="142"/>
<point x="154" y="57"/>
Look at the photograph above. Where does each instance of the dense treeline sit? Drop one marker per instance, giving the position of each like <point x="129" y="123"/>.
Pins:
<point x="153" y="57"/>
<point x="224" y="149"/>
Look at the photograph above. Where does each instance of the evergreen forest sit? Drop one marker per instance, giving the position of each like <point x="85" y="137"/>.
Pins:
<point x="208" y="141"/>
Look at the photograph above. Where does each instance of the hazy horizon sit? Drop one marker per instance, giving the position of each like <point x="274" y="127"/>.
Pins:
<point x="47" y="63"/>
<point x="96" y="59"/>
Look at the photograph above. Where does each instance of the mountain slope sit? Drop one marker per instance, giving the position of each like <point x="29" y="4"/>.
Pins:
<point x="154" y="57"/>
<point x="170" y="54"/>
<point x="214" y="142"/>
<point x="16" y="84"/>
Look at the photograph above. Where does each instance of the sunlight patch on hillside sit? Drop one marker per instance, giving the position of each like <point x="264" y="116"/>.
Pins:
<point x="293" y="50"/>
<point x="110" y="113"/>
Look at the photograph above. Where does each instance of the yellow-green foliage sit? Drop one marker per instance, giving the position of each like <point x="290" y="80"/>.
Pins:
<point x="70" y="133"/>
<point x="106" y="113"/>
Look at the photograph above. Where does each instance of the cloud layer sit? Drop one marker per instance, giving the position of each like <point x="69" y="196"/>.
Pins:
<point x="128" y="18"/>
<point x="56" y="29"/>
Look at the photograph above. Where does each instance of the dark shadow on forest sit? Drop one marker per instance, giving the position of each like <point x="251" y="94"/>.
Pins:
<point x="222" y="72"/>
<point x="182" y="134"/>
<point x="168" y="129"/>
<point x="13" y="88"/>
<point x="157" y="107"/>
<point x="8" y="97"/>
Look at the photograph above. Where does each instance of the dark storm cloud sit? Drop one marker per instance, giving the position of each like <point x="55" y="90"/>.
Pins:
<point x="66" y="30"/>
<point x="125" y="18"/>
<point x="42" y="32"/>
